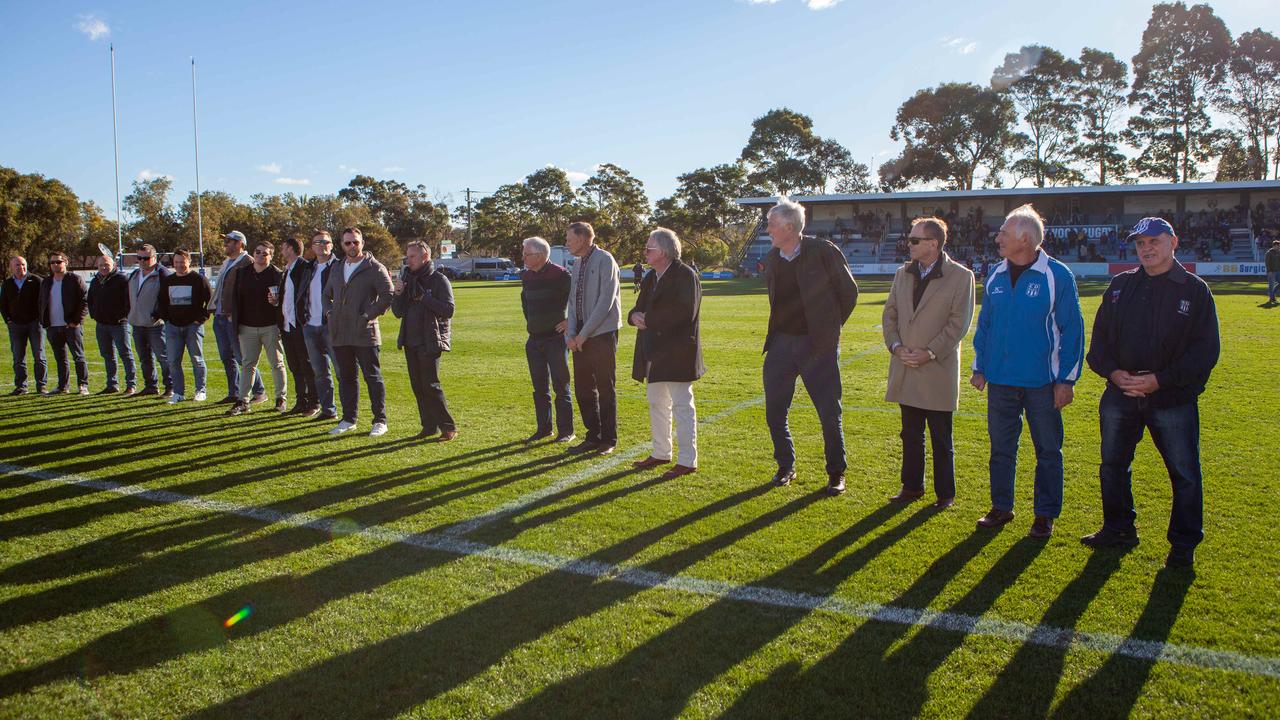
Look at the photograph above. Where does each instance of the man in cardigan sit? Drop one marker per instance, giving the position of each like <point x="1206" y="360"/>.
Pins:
<point x="544" y="296"/>
<point x="668" y="354"/>
<point x="925" y="318"/>
<point x="20" y="305"/>
<point x="594" y="318"/>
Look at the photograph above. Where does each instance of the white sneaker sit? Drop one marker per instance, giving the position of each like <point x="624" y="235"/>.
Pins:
<point x="378" y="430"/>
<point x="342" y="427"/>
<point x="174" y="400"/>
<point x="200" y="396"/>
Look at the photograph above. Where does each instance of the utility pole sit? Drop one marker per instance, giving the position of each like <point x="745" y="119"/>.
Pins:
<point x="468" y="191"/>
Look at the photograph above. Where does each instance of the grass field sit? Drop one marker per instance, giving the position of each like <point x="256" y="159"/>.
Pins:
<point x="387" y="577"/>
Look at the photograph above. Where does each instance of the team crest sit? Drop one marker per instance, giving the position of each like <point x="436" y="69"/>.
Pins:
<point x="997" y="290"/>
<point x="1184" y="307"/>
<point x="1033" y="290"/>
<point x="1115" y="295"/>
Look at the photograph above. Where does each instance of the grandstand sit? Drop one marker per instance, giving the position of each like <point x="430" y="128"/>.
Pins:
<point x="1223" y="227"/>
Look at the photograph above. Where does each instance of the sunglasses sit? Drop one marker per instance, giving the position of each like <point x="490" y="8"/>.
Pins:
<point x="57" y="262"/>
<point x="917" y="240"/>
<point x="144" y="258"/>
<point x="350" y="243"/>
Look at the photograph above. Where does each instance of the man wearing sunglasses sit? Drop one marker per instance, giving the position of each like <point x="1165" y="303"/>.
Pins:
<point x="255" y="314"/>
<point x="356" y="294"/>
<point x="315" y="328"/>
<point x="148" y="332"/>
<point x="223" y="329"/>
<point x="20" y="306"/>
<point x="62" y="313"/>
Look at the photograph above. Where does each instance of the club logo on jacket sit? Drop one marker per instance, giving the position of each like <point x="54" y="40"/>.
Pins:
<point x="1033" y="290"/>
<point x="1115" y="295"/>
<point x="1184" y="307"/>
<point x="997" y="290"/>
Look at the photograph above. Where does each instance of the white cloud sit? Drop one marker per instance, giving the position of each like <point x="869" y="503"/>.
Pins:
<point x="93" y="27"/>
<point x="292" y="181"/>
<point x="273" y="168"/>
<point x="348" y="168"/>
<point x="961" y="45"/>
<point x="392" y="168"/>
<point x="577" y="177"/>
<point x="761" y="2"/>
<point x="149" y="174"/>
<point x="821" y="4"/>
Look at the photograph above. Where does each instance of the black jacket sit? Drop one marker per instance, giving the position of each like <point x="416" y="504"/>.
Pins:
<point x="303" y="283"/>
<point x="669" y="349"/>
<point x="74" y="307"/>
<point x="194" y="313"/>
<point x="109" y="298"/>
<point x="425" y="308"/>
<point x="827" y="290"/>
<point x="300" y="268"/>
<point x="1184" y="331"/>
<point x="21" y="306"/>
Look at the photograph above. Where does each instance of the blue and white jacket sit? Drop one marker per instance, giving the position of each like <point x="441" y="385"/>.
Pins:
<point x="1031" y="335"/>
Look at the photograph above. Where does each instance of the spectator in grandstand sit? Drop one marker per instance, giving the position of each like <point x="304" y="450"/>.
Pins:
<point x="811" y="295"/>
<point x="108" y="301"/>
<point x="1273" y="270"/>
<point x="424" y="303"/>
<point x="292" y="322"/>
<point x="148" y="332"/>
<point x="594" y="318"/>
<point x="224" y="331"/>
<point x="1029" y="348"/>
<point x="925" y="318"/>
<point x="315" y="331"/>
<point x="1155" y="340"/>
<point x="544" y="297"/>
<point x="356" y="293"/>
<point x="1122" y="249"/>
<point x="183" y="305"/>
<point x="62" y="313"/>
<point x="255" y="315"/>
<point x="668" y="352"/>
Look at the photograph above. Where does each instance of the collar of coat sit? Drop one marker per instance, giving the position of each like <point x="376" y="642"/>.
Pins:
<point x="1177" y="273"/>
<point x="1041" y="264"/>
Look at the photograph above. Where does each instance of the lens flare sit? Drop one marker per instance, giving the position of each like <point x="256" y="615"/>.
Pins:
<point x="241" y="614"/>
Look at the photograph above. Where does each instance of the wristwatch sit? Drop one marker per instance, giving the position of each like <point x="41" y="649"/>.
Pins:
<point x="931" y="355"/>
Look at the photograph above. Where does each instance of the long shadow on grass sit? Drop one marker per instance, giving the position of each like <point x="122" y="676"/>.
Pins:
<point x="1115" y="688"/>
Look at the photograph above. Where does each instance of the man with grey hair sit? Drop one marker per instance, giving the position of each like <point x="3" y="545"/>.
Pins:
<point x="591" y="332"/>
<point x="544" y="297"/>
<point x="20" y="306"/>
<point x="811" y="295"/>
<point x="1029" y="349"/>
<point x="148" y="331"/>
<point x="668" y="353"/>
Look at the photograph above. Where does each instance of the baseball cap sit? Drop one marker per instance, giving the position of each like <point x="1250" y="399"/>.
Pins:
<point x="1151" y="227"/>
<point x="235" y="235"/>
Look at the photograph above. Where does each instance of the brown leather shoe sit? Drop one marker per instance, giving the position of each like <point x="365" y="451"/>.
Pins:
<point x="678" y="470"/>
<point x="995" y="518"/>
<point x="1041" y="528"/>
<point x="649" y="462"/>
<point x="448" y="435"/>
<point x="835" y="484"/>
<point x="905" y="496"/>
<point x="944" y="503"/>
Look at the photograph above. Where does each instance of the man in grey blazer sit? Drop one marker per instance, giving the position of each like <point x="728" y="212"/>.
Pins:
<point x="594" y="318"/>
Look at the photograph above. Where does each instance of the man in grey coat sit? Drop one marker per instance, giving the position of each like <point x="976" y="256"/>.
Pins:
<point x="356" y="293"/>
<point x="148" y="332"/>
<point x="594" y="318"/>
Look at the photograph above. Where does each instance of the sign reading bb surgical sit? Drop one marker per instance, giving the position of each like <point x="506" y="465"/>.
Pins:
<point x="1093" y="232"/>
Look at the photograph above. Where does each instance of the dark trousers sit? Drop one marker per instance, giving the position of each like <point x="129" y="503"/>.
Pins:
<point x="424" y="378"/>
<point x="148" y="342"/>
<point x="944" y="454"/>
<point x="22" y="335"/>
<point x="549" y="370"/>
<point x="320" y="354"/>
<point x="353" y="360"/>
<point x="791" y="357"/>
<point x="304" y="378"/>
<point x="1005" y="407"/>
<point x="229" y="353"/>
<point x="595" y="386"/>
<point x="1176" y="434"/>
<point x="113" y="340"/>
<point x="64" y="339"/>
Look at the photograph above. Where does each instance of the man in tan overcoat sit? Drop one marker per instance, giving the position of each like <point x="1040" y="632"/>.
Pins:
<point x="927" y="315"/>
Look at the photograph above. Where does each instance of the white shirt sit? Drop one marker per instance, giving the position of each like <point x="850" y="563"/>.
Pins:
<point x="290" y="307"/>
<point x="57" y="318"/>
<point x="222" y="274"/>
<point x="315" y="310"/>
<point x="349" y="267"/>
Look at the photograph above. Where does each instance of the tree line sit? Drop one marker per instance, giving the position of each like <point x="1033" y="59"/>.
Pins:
<point x="1045" y="118"/>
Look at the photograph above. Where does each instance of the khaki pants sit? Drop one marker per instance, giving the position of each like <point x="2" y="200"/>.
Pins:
<point x="253" y="340"/>
<point x="666" y="399"/>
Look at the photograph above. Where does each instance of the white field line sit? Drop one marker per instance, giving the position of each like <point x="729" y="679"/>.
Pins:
<point x="515" y="505"/>
<point x="984" y="625"/>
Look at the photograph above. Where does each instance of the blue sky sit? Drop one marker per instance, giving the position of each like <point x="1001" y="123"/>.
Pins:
<point x="301" y="96"/>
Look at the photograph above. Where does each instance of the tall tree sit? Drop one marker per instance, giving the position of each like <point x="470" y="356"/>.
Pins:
<point x="222" y="214"/>
<point x="542" y="204"/>
<point x="1251" y="96"/>
<point x="784" y="156"/>
<point x="1101" y="91"/>
<point x="621" y="209"/>
<point x="703" y="211"/>
<point x="37" y="215"/>
<point x="94" y="228"/>
<point x="1181" y="62"/>
<point x="155" y="220"/>
<point x="404" y="211"/>
<point x="950" y="132"/>
<point x="1040" y="82"/>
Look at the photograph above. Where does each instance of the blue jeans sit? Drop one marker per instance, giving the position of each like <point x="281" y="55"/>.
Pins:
<point x="1176" y="434"/>
<point x="549" y="370"/>
<point x="20" y="336"/>
<point x="366" y="360"/>
<point x="64" y="339"/>
<point x="789" y="357"/>
<point x="112" y="339"/>
<point x="149" y="344"/>
<point x="1005" y="407"/>
<point x="190" y="337"/>
<point x="1273" y="280"/>
<point x="320" y="355"/>
<point x="229" y="352"/>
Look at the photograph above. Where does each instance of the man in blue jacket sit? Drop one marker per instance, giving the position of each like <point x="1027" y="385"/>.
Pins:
<point x="1029" y="348"/>
<point x="1155" y="340"/>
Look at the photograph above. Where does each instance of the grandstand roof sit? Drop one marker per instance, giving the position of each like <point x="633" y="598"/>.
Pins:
<point x="1023" y="192"/>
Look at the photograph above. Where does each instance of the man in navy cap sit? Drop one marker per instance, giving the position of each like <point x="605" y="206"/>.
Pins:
<point x="1155" y="340"/>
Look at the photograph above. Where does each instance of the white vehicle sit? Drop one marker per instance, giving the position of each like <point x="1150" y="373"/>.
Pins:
<point x="476" y="268"/>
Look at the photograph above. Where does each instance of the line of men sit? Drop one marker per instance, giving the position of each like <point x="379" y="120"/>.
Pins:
<point x="1155" y="341"/>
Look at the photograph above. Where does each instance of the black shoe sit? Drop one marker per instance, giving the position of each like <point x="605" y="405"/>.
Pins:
<point x="784" y="476"/>
<point x="426" y="434"/>
<point x="327" y="416"/>
<point x="1180" y="558"/>
<point x="55" y="391"/>
<point x="309" y="412"/>
<point x="1106" y="538"/>
<point x="604" y="449"/>
<point x="108" y="391"/>
<point x="835" y="485"/>
<point x="297" y="409"/>
<point x="167" y="394"/>
<point x="146" y="391"/>
<point x="240" y="408"/>
<point x="537" y="436"/>
<point x="19" y="391"/>
<point x="584" y="446"/>
<point x="566" y="439"/>
<point x="227" y="400"/>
